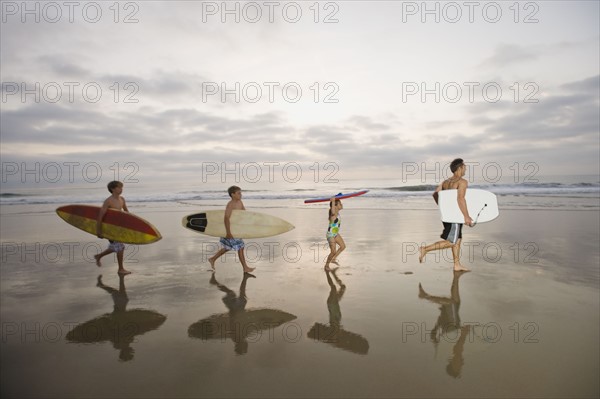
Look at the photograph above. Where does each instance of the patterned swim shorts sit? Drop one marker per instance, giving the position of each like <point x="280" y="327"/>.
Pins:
<point x="116" y="246"/>
<point x="232" y="244"/>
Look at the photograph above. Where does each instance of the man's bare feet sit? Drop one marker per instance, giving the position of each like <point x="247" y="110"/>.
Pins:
<point x="421" y="254"/>
<point x="124" y="272"/>
<point x="97" y="257"/>
<point x="460" y="268"/>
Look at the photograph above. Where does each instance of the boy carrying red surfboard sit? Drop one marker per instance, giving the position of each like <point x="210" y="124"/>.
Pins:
<point x="115" y="201"/>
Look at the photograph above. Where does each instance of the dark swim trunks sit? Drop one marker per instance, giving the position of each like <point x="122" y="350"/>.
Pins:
<point x="452" y="232"/>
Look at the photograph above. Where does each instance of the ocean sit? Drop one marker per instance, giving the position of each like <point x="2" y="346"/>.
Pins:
<point x="579" y="192"/>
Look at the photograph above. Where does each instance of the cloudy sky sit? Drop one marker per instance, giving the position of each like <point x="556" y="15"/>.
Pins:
<point x="367" y="85"/>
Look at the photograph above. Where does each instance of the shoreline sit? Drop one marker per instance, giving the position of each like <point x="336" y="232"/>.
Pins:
<point x="515" y="310"/>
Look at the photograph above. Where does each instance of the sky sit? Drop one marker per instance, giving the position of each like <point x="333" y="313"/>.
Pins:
<point x="175" y="91"/>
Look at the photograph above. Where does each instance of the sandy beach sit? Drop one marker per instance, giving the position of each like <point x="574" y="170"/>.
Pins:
<point x="523" y="323"/>
<point x="166" y="108"/>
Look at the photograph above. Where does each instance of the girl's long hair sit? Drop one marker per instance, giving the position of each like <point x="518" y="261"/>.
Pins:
<point x="337" y="201"/>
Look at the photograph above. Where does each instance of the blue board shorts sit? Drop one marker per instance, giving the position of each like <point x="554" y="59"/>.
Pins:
<point x="116" y="246"/>
<point x="232" y="244"/>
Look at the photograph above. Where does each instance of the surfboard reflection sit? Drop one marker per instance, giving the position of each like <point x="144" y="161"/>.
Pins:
<point x="239" y="324"/>
<point x="333" y="333"/>
<point x="119" y="327"/>
<point x="448" y="324"/>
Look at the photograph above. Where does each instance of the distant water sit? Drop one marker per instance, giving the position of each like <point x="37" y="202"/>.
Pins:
<point x="566" y="192"/>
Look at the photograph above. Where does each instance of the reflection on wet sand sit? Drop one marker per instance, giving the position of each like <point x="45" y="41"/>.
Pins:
<point x="333" y="333"/>
<point x="119" y="327"/>
<point x="238" y="324"/>
<point x="448" y="322"/>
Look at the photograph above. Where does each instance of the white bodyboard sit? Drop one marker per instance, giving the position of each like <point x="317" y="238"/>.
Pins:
<point x="482" y="206"/>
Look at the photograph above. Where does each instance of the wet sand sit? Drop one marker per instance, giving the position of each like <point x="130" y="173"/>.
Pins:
<point x="523" y="323"/>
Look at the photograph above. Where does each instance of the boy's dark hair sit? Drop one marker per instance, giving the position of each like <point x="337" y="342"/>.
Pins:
<point x="457" y="163"/>
<point x="233" y="189"/>
<point x="114" y="184"/>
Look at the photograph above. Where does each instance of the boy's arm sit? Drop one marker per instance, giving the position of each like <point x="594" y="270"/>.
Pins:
<point x="462" y="202"/>
<point x="100" y="217"/>
<point x="436" y="193"/>
<point x="228" y="211"/>
<point x="243" y="207"/>
<point x="125" y="205"/>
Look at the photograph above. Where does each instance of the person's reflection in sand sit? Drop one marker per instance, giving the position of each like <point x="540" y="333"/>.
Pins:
<point x="120" y="298"/>
<point x="333" y="333"/>
<point x="120" y="301"/>
<point x="239" y="324"/>
<point x="236" y="304"/>
<point x="119" y="327"/>
<point x="448" y="322"/>
<point x="334" y="298"/>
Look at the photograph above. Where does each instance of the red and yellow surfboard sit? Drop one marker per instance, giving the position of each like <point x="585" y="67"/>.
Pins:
<point x="116" y="225"/>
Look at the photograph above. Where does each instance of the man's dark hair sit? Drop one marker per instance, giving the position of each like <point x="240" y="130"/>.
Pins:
<point x="457" y="163"/>
<point x="113" y="184"/>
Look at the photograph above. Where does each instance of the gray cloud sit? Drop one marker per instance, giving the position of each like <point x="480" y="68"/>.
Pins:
<point x="506" y="54"/>
<point x="556" y="117"/>
<point x="560" y="125"/>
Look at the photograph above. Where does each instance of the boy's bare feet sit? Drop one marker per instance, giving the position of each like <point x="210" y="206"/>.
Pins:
<point x="460" y="268"/>
<point x="421" y="254"/>
<point x="212" y="263"/>
<point x="124" y="272"/>
<point x="422" y="293"/>
<point x="97" y="257"/>
<point x="249" y="269"/>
